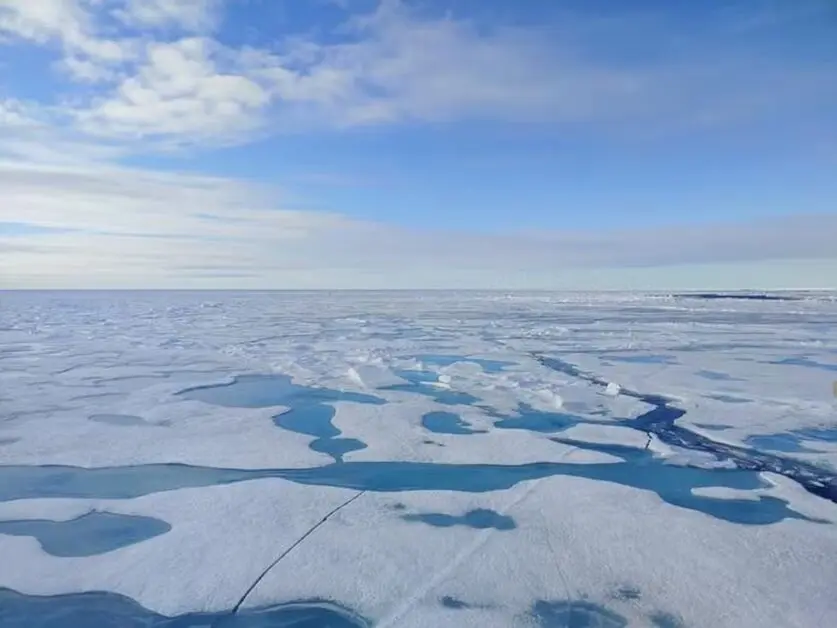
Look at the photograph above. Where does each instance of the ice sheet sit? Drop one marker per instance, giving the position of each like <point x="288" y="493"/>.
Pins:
<point x="491" y="490"/>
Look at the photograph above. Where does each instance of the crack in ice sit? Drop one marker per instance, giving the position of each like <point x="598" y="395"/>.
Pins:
<point x="660" y="422"/>
<point x="293" y="546"/>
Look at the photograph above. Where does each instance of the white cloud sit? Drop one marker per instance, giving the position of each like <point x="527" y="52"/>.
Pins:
<point x="137" y="203"/>
<point x="15" y="114"/>
<point x="397" y="67"/>
<point x="71" y="25"/>
<point x="406" y="67"/>
<point x="70" y="22"/>
<point x="44" y="20"/>
<point x="191" y="15"/>
<point x="178" y="92"/>
<point x="120" y="227"/>
<point x="401" y="66"/>
<point x="393" y="65"/>
<point x="28" y="134"/>
<point x="85" y="70"/>
<point x="166" y="81"/>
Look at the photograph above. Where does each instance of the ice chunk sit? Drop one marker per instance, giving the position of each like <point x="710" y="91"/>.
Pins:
<point x="373" y="377"/>
<point x="613" y="389"/>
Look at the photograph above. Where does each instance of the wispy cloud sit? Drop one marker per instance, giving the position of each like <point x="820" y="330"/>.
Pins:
<point x="144" y="75"/>
<point x="168" y="79"/>
<point x="179" y="92"/>
<point x="190" y="15"/>
<point x="117" y="226"/>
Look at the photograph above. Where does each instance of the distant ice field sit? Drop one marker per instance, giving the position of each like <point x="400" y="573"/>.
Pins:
<point x="357" y="459"/>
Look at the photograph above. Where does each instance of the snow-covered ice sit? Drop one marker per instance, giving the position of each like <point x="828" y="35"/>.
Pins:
<point x="417" y="459"/>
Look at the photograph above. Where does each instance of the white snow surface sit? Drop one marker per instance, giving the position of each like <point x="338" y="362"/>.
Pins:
<point x="740" y="369"/>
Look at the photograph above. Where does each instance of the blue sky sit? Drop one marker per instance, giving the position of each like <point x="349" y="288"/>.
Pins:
<point x="440" y="143"/>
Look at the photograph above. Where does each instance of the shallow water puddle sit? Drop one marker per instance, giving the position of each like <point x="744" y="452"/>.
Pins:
<point x="489" y="366"/>
<point x="123" y="420"/>
<point x="447" y="423"/>
<point x="265" y="391"/>
<point x="807" y="363"/>
<point x="575" y="614"/>
<point x="479" y="519"/>
<point x="638" y="469"/>
<point x="427" y="383"/>
<point x="792" y="441"/>
<point x="642" y="359"/>
<point x="315" y="420"/>
<point x="542" y="422"/>
<point x="88" y="535"/>
<point x="310" y="411"/>
<point x="716" y="376"/>
<point x="661" y="421"/>
<point x="92" y="610"/>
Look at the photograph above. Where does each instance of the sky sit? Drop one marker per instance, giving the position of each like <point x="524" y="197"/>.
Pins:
<point x="295" y="144"/>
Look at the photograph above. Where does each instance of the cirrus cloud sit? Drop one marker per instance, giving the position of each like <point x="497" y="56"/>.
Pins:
<point x="73" y="227"/>
<point x="164" y="76"/>
<point x="139" y="76"/>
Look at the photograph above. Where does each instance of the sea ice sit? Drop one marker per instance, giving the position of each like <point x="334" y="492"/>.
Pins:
<point x="418" y="459"/>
